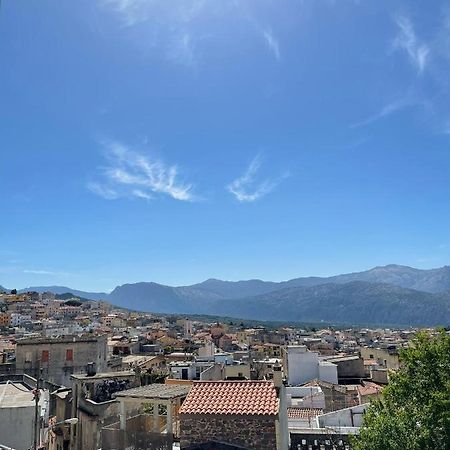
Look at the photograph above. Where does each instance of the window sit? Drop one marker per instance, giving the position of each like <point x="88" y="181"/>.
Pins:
<point x="44" y="357"/>
<point x="69" y="354"/>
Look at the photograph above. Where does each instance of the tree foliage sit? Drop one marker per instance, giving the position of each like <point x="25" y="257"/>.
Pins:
<point x="414" y="412"/>
<point x="73" y="302"/>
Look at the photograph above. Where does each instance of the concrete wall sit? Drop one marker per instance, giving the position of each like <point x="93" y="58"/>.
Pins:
<point x="213" y="373"/>
<point x="58" y="369"/>
<point x="251" y="432"/>
<point x="302" y="365"/>
<point x="349" y="417"/>
<point x="237" y="370"/>
<point x="328" y="372"/>
<point x="350" y="368"/>
<point x="305" y="397"/>
<point x="176" y="371"/>
<point x="16" y="427"/>
<point x="382" y="356"/>
<point x="379" y="376"/>
<point x="282" y="424"/>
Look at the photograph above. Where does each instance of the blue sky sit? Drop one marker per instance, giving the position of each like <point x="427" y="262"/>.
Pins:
<point x="175" y="141"/>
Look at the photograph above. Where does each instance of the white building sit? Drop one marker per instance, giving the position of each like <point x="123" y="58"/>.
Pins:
<point x="311" y="397"/>
<point x="302" y="366"/>
<point x="17" y="414"/>
<point x="17" y="320"/>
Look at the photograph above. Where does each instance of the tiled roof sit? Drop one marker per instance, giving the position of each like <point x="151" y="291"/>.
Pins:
<point x="369" y="389"/>
<point x="303" y="413"/>
<point x="231" y="397"/>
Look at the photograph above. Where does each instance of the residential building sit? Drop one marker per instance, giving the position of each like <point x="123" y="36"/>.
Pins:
<point x="93" y="403"/>
<point x="302" y="365"/>
<point x="59" y="358"/>
<point x="17" y="413"/>
<point x="245" y="414"/>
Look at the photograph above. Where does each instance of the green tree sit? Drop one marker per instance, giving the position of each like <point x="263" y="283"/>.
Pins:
<point x="73" y="302"/>
<point x="414" y="411"/>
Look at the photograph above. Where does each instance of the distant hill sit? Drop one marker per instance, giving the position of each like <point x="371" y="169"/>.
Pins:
<point x="434" y="280"/>
<point x="64" y="290"/>
<point x="391" y="294"/>
<point x="69" y="296"/>
<point x="235" y="289"/>
<point x="357" y="302"/>
<point x="151" y="296"/>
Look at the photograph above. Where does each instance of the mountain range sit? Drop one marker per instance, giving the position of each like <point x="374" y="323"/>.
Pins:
<point x="389" y="294"/>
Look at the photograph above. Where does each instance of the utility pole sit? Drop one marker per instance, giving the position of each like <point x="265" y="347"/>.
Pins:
<point x="37" y="394"/>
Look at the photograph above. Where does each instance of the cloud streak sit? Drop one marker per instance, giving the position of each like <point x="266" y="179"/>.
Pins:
<point x="44" y="272"/>
<point x="272" y="43"/>
<point x="407" y="40"/>
<point x="130" y="174"/>
<point x="247" y="189"/>
<point x="387" y="110"/>
<point x="166" y="26"/>
<point x="177" y="28"/>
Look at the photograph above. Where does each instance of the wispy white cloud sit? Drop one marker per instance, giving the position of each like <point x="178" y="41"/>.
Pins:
<point x="134" y="12"/>
<point x="102" y="190"/>
<point x="272" y="43"/>
<point x="407" y="40"/>
<point x="136" y="175"/>
<point x="130" y="10"/>
<point x="139" y="193"/>
<point x="44" y="272"/>
<point x="173" y="26"/>
<point x="386" y="110"/>
<point x="181" y="50"/>
<point x="445" y="129"/>
<point x="168" y="26"/>
<point x="247" y="188"/>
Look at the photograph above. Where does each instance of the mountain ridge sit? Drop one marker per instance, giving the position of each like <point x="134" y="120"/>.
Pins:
<point x="387" y="287"/>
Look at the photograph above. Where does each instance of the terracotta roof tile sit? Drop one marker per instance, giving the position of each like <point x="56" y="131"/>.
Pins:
<point x="303" y="413"/>
<point x="231" y="397"/>
<point x="369" y="388"/>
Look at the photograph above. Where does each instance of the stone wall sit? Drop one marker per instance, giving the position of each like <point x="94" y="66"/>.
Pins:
<point x="252" y="432"/>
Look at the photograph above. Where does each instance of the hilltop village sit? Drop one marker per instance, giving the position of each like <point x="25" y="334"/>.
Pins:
<point x="79" y="374"/>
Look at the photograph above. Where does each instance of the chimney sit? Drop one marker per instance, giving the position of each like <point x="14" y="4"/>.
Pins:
<point x="90" y="369"/>
<point x="277" y="376"/>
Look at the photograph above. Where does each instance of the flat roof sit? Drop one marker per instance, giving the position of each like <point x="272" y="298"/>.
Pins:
<point x="336" y="359"/>
<point x="61" y="340"/>
<point x="97" y="376"/>
<point x="15" y="395"/>
<point x="138" y="358"/>
<point x="160" y="391"/>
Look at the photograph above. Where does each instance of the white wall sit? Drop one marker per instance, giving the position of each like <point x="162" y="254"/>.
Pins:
<point x="305" y="397"/>
<point x="303" y="365"/>
<point x="16" y="427"/>
<point x="343" y="417"/>
<point x="328" y="372"/>
<point x="176" y="371"/>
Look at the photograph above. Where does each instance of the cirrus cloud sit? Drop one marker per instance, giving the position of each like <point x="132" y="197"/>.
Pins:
<point x="407" y="40"/>
<point x="136" y="175"/>
<point x="247" y="188"/>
